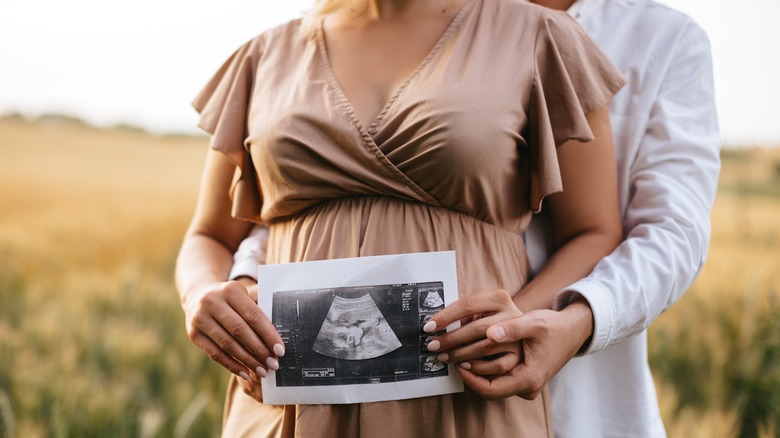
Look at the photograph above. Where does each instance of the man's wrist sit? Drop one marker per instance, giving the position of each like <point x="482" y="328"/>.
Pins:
<point x="580" y="314"/>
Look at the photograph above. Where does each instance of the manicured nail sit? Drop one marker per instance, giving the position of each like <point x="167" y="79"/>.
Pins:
<point x="465" y="365"/>
<point x="498" y="333"/>
<point x="279" y="350"/>
<point x="261" y="371"/>
<point x="243" y="375"/>
<point x="444" y="357"/>
<point x="272" y="363"/>
<point x="429" y="326"/>
<point x="434" y="345"/>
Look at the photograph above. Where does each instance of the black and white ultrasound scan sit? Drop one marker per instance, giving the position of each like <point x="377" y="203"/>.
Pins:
<point x="353" y="327"/>
<point x="357" y="335"/>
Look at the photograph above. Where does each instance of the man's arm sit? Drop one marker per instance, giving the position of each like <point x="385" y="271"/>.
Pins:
<point x="672" y="188"/>
<point x="586" y="224"/>
<point x="250" y="253"/>
<point x="673" y="180"/>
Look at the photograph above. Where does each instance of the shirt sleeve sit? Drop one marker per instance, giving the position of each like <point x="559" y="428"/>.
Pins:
<point x="223" y="105"/>
<point x="672" y="187"/>
<point x="251" y="252"/>
<point x="572" y="77"/>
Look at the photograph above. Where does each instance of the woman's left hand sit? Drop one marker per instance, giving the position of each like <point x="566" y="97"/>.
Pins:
<point x="468" y="345"/>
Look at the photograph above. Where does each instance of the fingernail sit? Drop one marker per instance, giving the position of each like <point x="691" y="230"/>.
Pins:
<point x="498" y="333"/>
<point x="279" y="350"/>
<point x="243" y="375"/>
<point x="429" y="326"/>
<point x="261" y="371"/>
<point x="272" y="363"/>
<point x="444" y="357"/>
<point x="465" y="365"/>
<point x="434" y="345"/>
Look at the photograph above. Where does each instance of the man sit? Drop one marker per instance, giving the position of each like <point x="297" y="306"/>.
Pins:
<point x="667" y="147"/>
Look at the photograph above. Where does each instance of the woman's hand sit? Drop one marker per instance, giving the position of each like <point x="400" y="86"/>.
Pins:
<point x="469" y="345"/>
<point x="221" y="318"/>
<point x="226" y="324"/>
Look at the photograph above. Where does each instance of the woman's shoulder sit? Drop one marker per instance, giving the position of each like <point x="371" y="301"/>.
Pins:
<point x="289" y="31"/>
<point x="281" y="36"/>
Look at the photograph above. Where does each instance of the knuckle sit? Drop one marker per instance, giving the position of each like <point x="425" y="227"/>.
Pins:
<point x="254" y="317"/>
<point x="197" y="320"/>
<point x="481" y="326"/>
<point x="207" y="300"/>
<point x="468" y="303"/>
<point x="214" y="355"/>
<point x="234" y="289"/>
<point x="237" y="328"/>
<point x="226" y="344"/>
<point x="484" y="349"/>
<point x="502" y="296"/>
<point x="542" y="326"/>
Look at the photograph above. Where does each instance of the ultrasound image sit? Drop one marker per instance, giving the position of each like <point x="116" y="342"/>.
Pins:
<point x="355" y="335"/>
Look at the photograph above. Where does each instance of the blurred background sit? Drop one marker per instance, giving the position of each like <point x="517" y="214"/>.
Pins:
<point x="99" y="166"/>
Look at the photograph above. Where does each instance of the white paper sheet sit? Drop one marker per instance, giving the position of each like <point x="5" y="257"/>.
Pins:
<point x="353" y="328"/>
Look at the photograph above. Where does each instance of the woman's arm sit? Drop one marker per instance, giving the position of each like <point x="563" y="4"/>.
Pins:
<point x="221" y="318"/>
<point x="585" y="216"/>
<point x="586" y="227"/>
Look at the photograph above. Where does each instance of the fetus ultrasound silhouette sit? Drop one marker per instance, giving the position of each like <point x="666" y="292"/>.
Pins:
<point x="355" y="329"/>
<point x="433" y="300"/>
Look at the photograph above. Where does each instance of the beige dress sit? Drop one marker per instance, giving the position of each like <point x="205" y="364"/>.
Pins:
<point x="458" y="159"/>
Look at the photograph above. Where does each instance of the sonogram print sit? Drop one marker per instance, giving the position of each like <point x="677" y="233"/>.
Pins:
<point x="355" y="335"/>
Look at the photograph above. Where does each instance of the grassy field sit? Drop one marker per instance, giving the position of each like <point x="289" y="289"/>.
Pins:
<point x="92" y="341"/>
<point x="716" y="354"/>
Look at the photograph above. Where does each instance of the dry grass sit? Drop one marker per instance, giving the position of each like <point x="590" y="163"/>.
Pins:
<point x="716" y="353"/>
<point x="91" y="333"/>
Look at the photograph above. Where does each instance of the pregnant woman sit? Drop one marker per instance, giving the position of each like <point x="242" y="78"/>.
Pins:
<point x="377" y="127"/>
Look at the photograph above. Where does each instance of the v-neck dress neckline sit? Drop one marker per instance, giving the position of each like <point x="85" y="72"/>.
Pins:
<point x="369" y="131"/>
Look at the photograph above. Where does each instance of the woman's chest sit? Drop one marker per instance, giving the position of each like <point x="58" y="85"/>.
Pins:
<point x="455" y="127"/>
<point x="464" y="106"/>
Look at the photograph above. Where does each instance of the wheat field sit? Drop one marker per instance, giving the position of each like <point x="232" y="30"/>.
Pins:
<point x="92" y="341"/>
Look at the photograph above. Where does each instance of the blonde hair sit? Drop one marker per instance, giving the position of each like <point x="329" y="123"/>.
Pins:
<point x="325" y="7"/>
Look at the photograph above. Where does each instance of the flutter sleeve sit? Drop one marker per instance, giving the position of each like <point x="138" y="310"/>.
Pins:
<point x="223" y="105"/>
<point x="572" y="77"/>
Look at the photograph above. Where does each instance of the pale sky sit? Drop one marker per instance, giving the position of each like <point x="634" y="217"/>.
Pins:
<point x="142" y="62"/>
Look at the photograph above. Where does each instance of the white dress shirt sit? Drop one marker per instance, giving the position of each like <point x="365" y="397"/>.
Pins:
<point x="667" y="145"/>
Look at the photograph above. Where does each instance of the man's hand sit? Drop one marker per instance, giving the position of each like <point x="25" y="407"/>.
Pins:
<point x="549" y="340"/>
